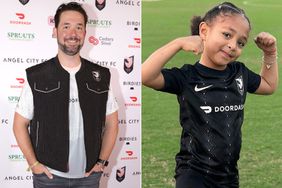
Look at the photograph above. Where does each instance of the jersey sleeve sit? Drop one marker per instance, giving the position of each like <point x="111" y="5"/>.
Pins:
<point x="253" y="81"/>
<point x="173" y="79"/>
<point x="25" y="105"/>
<point x="112" y="105"/>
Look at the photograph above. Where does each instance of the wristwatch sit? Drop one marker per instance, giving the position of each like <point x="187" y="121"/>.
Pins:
<point x="103" y="162"/>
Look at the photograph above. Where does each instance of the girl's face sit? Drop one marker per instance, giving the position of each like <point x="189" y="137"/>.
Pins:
<point x="224" y="39"/>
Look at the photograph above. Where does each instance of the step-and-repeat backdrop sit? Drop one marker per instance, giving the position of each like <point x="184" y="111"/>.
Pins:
<point x="113" y="40"/>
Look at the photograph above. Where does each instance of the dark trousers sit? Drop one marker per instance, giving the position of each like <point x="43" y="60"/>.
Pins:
<point x="194" y="179"/>
<point x="42" y="181"/>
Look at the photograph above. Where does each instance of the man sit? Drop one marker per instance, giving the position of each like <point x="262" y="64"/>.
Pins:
<point x="66" y="121"/>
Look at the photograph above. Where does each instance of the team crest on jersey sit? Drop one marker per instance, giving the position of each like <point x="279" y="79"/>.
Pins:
<point x="240" y="85"/>
<point x="96" y="76"/>
<point x="100" y="4"/>
<point x="24" y="2"/>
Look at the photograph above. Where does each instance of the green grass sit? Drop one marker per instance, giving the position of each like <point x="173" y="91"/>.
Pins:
<point x="260" y="163"/>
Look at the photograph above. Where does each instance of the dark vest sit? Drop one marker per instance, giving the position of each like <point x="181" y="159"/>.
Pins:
<point x="49" y="128"/>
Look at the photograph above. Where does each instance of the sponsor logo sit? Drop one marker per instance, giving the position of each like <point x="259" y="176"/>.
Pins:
<point x="14" y="146"/>
<point x="132" y="84"/>
<point x="197" y="88"/>
<point x="128" y="64"/>
<point x="128" y="2"/>
<point x="18" y="60"/>
<point x="99" y="23"/>
<point x="13" y="99"/>
<point x="135" y="24"/>
<point x="134" y="101"/>
<point x="21" y="36"/>
<point x="24" y="2"/>
<point x="17" y="178"/>
<point x="21" y="17"/>
<point x="20" y="81"/>
<point x="128" y="138"/>
<point x="129" y="155"/>
<point x="106" y="63"/>
<point x="51" y="21"/>
<point x="137" y="43"/>
<point x="100" y="4"/>
<point x="93" y="40"/>
<point x="228" y="108"/>
<point x="105" y="41"/>
<point x="120" y="174"/>
<point x="18" y="157"/>
<point x="240" y="85"/>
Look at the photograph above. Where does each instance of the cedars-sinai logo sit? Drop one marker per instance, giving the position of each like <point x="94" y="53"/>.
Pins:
<point x="24" y="2"/>
<point x="100" y="4"/>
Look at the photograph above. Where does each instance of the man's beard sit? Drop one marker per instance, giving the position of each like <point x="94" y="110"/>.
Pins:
<point x="70" y="50"/>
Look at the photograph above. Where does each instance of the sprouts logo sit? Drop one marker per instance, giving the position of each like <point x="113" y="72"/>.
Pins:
<point x="104" y="41"/>
<point x="128" y="2"/>
<point x="99" y="23"/>
<point x="218" y="109"/>
<point x="13" y="99"/>
<point x="18" y="157"/>
<point x="21" y="36"/>
<point x="137" y="42"/>
<point x="20" y="19"/>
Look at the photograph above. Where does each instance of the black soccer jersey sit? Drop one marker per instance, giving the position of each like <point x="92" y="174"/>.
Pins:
<point x="211" y="115"/>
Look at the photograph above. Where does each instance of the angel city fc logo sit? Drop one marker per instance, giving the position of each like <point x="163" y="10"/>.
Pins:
<point x="24" y="2"/>
<point x="100" y="4"/>
<point x="96" y="76"/>
<point x="240" y="85"/>
<point x="128" y="64"/>
<point x="120" y="174"/>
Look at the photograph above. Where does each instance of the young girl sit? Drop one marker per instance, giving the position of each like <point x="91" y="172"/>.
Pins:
<point x="212" y="93"/>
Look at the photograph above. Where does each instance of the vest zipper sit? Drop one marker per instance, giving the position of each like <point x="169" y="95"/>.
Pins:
<point x="37" y="134"/>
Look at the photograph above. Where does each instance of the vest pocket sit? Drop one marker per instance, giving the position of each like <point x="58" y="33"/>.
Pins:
<point x="46" y="87"/>
<point x="98" y="89"/>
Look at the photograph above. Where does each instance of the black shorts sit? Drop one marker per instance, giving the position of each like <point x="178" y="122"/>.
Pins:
<point x="195" y="179"/>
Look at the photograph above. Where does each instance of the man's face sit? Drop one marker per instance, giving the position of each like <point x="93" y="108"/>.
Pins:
<point x="70" y="33"/>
